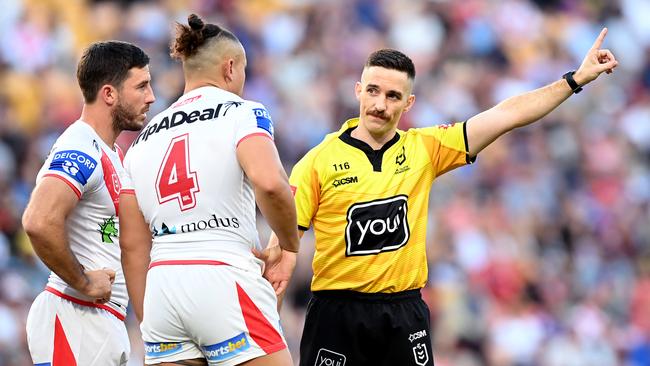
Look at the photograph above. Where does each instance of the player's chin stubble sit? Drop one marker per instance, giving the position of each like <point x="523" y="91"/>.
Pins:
<point x="125" y="118"/>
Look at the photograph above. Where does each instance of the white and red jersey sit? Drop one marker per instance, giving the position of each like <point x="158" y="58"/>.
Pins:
<point x="93" y="170"/>
<point x="184" y="171"/>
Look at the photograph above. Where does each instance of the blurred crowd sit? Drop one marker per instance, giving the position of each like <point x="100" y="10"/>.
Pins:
<point x="539" y="254"/>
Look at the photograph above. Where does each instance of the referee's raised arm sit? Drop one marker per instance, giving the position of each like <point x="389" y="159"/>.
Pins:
<point x="526" y="108"/>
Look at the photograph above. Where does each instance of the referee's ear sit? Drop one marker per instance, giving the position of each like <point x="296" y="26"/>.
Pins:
<point x="409" y="102"/>
<point x="357" y="90"/>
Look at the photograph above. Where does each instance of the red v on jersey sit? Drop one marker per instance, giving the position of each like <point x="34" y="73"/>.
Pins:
<point x="111" y="179"/>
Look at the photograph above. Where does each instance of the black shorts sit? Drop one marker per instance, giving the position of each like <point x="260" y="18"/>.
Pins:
<point x="347" y="328"/>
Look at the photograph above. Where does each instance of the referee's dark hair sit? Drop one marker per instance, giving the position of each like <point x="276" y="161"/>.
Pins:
<point x="392" y="59"/>
<point x="107" y="62"/>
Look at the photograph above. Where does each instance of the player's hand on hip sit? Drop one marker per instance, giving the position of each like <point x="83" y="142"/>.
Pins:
<point x="99" y="285"/>
<point x="271" y="255"/>
<point x="597" y="61"/>
<point x="278" y="267"/>
<point x="279" y="274"/>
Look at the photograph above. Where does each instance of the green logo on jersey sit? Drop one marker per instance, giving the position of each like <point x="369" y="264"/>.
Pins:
<point x="108" y="229"/>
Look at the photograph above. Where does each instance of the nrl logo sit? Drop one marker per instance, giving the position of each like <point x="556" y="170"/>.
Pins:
<point x="420" y="354"/>
<point x="401" y="157"/>
<point x="108" y="229"/>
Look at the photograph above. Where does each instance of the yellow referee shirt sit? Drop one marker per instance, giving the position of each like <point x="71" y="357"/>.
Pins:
<point x="369" y="207"/>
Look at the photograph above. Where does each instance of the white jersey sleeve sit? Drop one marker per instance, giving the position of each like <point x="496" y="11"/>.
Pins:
<point x="74" y="162"/>
<point x="254" y="120"/>
<point x="127" y="182"/>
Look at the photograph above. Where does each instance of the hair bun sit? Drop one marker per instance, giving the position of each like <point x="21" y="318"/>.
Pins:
<point x="195" y="22"/>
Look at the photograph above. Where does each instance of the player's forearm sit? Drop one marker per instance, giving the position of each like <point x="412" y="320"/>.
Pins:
<point x="51" y="245"/>
<point x="135" y="265"/>
<point x="135" y="246"/>
<point x="274" y="241"/>
<point x="277" y="205"/>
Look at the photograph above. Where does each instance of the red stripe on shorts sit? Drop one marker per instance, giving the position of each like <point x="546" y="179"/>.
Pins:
<point x="187" y="262"/>
<point x="262" y="332"/>
<point x="85" y="303"/>
<point x="63" y="355"/>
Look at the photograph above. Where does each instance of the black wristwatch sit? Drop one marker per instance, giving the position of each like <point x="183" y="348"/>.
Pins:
<point x="572" y="82"/>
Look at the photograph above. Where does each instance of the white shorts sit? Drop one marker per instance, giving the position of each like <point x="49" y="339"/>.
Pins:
<point x="62" y="332"/>
<point x="218" y="312"/>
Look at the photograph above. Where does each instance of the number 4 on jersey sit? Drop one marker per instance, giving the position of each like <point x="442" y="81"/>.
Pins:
<point x="175" y="180"/>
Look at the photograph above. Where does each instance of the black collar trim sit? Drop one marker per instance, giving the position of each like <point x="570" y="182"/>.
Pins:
<point x="375" y="156"/>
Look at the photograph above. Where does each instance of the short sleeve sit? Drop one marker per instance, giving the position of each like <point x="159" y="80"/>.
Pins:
<point x="446" y="145"/>
<point x="125" y="177"/>
<point x="75" y="165"/>
<point x="255" y="121"/>
<point x="306" y="189"/>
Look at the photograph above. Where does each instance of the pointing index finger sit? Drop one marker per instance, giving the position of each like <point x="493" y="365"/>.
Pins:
<point x="599" y="40"/>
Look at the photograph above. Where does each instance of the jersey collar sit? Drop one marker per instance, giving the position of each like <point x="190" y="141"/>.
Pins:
<point x="374" y="156"/>
<point x="98" y="143"/>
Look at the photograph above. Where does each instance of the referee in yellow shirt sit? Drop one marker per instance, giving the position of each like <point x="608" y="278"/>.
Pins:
<point x="365" y="188"/>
